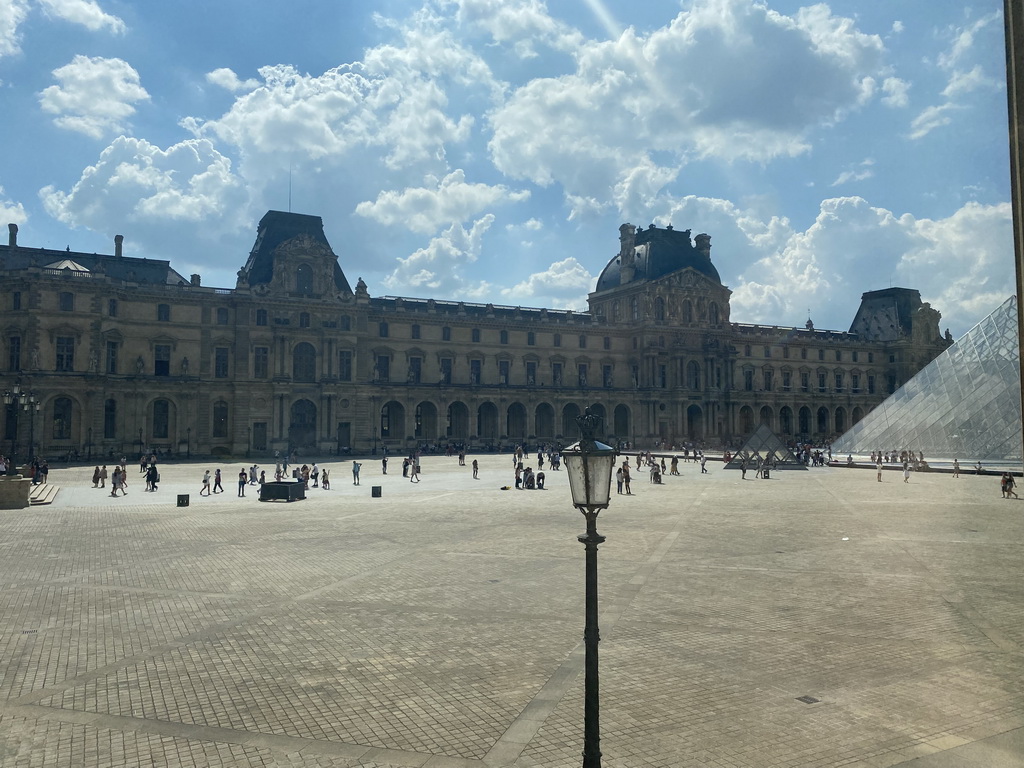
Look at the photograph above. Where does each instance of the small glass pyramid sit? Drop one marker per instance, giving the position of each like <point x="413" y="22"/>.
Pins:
<point x="965" y="404"/>
<point x="764" y="447"/>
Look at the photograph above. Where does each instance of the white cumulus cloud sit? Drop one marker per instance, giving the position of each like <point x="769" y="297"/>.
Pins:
<point x="85" y="12"/>
<point x="95" y="95"/>
<point x="12" y="14"/>
<point x="435" y="269"/>
<point x="425" y="210"/>
<point x="229" y="81"/>
<point x="564" y="284"/>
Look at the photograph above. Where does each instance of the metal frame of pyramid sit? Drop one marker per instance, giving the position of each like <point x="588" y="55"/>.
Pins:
<point x="764" y="446"/>
<point x="963" y="405"/>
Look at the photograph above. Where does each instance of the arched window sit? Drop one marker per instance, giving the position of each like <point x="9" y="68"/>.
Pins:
<point x="687" y="311"/>
<point x="615" y="310"/>
<point x="220" y="419"/>
<point x="62" y="407"/>
<point x="634" y="309"/>
<point x="162" y="419"/>
<point x="659" y="309"/>
<point x="304" y="362"/>
<point x="713" y="316"/>
<point x="304" y="280"/>
<point x="693" y="375"/>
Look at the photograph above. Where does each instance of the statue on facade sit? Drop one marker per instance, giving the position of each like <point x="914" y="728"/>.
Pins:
<point x="94" y="362"/>
<point x="361" y="288"/>
<point x="139" y="364"/>
<point x="34" y="358"/>
<point x="184" y="366"/>
<point x="949" y="336"/>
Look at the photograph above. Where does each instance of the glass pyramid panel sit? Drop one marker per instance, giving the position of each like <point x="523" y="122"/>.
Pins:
<point x="764" y="446"/>
<point x="965" y="404"/>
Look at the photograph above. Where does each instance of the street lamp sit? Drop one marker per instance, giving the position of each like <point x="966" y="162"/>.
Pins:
<point x="589" y="465"/>
<point x="30" y="405"/>
<point x="12" y="397"/>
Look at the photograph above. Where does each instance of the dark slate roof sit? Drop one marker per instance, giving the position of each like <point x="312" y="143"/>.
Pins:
<point x="277" y="227"/>
<point x="887" y="314"/>
<point x="127" y="268"/>
<point x="500" y="312"/>
<point x="659" y="252"/>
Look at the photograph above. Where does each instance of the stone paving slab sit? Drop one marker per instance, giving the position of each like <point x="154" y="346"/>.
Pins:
<point x="440" y="625"/>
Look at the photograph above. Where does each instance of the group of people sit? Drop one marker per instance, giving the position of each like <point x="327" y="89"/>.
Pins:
<point x="526" y="478"/>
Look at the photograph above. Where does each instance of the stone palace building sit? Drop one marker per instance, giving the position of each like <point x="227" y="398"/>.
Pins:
<point x="110" y="354"/>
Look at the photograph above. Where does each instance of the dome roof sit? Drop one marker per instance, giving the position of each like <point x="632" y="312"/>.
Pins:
<point x="660" y="252"/>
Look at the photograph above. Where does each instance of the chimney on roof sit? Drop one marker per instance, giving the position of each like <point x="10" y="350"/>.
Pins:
<point x="118" y="242"/>
<point x="12" y="237"/>
<point x="194" y="280"/>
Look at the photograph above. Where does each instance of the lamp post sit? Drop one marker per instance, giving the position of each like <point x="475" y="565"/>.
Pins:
<point x="589" y="465"/>
<point x="31" y="406"/>
<point x="11" y="397"/>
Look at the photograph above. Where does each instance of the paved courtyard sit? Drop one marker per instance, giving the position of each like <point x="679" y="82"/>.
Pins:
<point x="441" y="624"/>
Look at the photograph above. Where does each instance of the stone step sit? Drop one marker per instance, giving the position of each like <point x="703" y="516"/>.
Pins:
<point x="44" y="493"/>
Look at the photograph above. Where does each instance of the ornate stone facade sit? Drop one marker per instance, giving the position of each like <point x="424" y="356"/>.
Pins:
<point x="124" y="353"/>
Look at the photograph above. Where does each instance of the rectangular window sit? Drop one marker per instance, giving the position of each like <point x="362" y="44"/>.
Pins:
<point x="261" y="362"/>
<point x="556" y="374"/>
<point x="112" y="307"/>
<point x="607" y="342"/>
<point x="785" y="353"/>
<point x="262" y="317"/>
<point x="803" y="353"/>
<point x="14" y="353"/>
<point x="475" y="335"/>
<point x="345" y="323"/>
<point x="66" y="301"/>
<point x="786" y="381"/>
<point x="531" y="373"/>
<point x="446" y="334"/>
<point x="65" y="353"/>
<point x="767" y="351"/>
<point x="162" y="360"/>
<point x="531" y="339"/>
<point x="855" y="382"/>
<point x="583" y="341"/>
<point x="558" y="340"/>
<point x="662" y="376"/>
<point x="871" y="385"/>
<point x="16" y="300"/>
<point x="446" y="370"/>
<point x="822" y="384"/>
<point x="839" y="382"/>
<point x="259" y="435"/>
<point x="110" y="419"/>
<point x="855" y="355"/>
<point x="222" y="316"/>
<point x="821" y="354"/>
<point x="871" y="357"/>
<point x="220" y="362"/>
<point x="383" y="368"/>
<point x="805" y="382"/>
<point x="606" y="375"/>
<point x="503" y="371"/>
<point x="345" y="365"/>
<point x="892" y="384"/>
<point x="839" y="356"/>
<point x="503" y="337"/>
<point x="163" y="313"/>
<point x="474" y="371"/>
<point x="748" y="381"/>
<point x="415" y="331"/>
<point x="767" y="376"/>
<point x="112" y="356"/>
<point x="382" y="329"/>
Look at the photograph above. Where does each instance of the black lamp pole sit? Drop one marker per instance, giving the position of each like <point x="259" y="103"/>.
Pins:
<point x="589" y="465"/>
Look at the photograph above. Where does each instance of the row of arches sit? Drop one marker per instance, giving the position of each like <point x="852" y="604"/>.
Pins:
<point x="488" y="422"/>
<point x="803" y="421"/>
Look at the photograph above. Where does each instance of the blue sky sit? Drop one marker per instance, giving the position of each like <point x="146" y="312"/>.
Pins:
<point x="488" y="150"/>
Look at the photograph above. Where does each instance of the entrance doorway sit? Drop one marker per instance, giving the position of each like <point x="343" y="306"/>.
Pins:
<point x="302" y="428"/>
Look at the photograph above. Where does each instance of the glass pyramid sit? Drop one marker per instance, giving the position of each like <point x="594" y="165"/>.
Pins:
<point x="764" y="446"/>
<point x="965" y="404"/>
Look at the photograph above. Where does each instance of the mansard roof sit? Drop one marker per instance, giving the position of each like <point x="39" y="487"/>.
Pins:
<point x="277" y="227"/>
<point x="660" y="252"/>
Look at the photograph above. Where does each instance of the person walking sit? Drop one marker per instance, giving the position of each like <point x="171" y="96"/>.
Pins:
<point x="878" y="468"/>
<point x="206" y="484"/>
<point x="476" y="469"/>
<point x="625" y="478"/>
<point x="384" y="465"/>
<point x="325" y="479"/>
<point x="152" y="477"/>
<point x="414" y="471"/>
<point x="96" y="477"/>
<point x="703" y="464"/>
<point x="356" y="466"/>
<point x="956" y="467"/>
<point x="315" y="473"/>
<point x="618" y="480"/>
<point x="1010" y="483"/>
<point x="103" y="476"/>
<point x="216" y="482"/>
<point x="243" y="480"/>
<point x="906" y="471"/>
